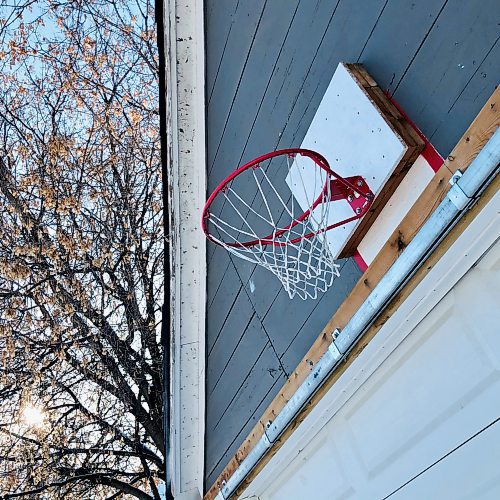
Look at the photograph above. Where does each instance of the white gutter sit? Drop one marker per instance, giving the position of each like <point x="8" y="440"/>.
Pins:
<point x="185" y="68"/>
<point x="461" y="195"/>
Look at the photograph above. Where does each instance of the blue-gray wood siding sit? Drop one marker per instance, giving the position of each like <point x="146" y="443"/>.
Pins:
<point x="268" y="66"/>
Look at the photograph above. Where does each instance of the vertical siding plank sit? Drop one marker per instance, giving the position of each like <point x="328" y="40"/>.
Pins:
<point x="397" y="37"/>
<point x="224" y="429"/>
<point x="240" y="365"/>
<point x="229" y="340"/>
<point x="241" y="38"/>
<point x="458" y="43"/>
<point x="344" y="40"/>
<point x="469" y="102"/>
<point x="219" y="24"/>
<point x="223" y="302"/>
<point x="248" y="422"/>
<point x="269" y="40"/>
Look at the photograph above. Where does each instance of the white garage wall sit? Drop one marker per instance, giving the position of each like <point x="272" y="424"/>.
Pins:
<point x="428" y="382"/>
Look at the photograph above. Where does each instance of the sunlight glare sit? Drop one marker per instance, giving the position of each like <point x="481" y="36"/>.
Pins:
<point x="33" y="416"/>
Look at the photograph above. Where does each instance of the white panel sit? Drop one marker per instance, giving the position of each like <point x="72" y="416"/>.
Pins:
<point x="304" y="470"/>
<point x="349" y="131"/>
<point x="415" y="396"/>
<point x="404" y="197"/>
<point x="421" y="393"/>
<point x="474" y="469"/>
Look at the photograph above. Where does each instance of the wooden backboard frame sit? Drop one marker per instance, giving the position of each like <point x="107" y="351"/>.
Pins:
<point x="401" y="126"/>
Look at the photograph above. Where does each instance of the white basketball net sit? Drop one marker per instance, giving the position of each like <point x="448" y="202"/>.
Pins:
<point x="305" y="266"/>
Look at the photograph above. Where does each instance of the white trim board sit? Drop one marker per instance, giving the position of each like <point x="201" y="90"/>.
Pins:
<point x="461" y="256"/>
<point x="399" y="204"/>
<point x="185" y="61"/>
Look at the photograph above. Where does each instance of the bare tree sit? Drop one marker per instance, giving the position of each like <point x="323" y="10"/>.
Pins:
<point x="81" y="251"/>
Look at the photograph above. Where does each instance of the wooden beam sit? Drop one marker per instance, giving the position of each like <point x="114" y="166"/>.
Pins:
<point x="465" y="151"/>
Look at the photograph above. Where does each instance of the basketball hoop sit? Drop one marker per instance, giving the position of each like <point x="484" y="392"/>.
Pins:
<point x="253" y="215"/>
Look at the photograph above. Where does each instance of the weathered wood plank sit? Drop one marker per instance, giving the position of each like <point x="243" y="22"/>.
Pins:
<point x="221" y="305"/>
<point x="397" y="37"/>
<point x="219" y="18"/>
<point x="228" y="342"/>
<point x="262" y="286"/>
<point x="217" y="269"/>
<point x="446" y="62"/>
<point x="465" y="151"/>
<point x="344" y="39"/>
<point x="470" y="101"/>
<point x="241" y="38"/>
<point x="252" y="338"/>
<point x="274" y="30"/>
<point x="391" y="112"/>
<point x="310" y="23"/>
<point x="476" y="135"/>
<point x="253" y="390"/>
<point x="247" y="423"/>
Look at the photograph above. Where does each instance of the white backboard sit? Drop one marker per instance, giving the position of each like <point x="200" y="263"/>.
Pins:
<point x="353" y="135"/>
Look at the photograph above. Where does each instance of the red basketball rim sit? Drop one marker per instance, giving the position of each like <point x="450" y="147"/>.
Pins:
<point x="271" y="238"/>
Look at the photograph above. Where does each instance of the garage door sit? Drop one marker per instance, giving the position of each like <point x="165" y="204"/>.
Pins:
<point x="426" y="422"/>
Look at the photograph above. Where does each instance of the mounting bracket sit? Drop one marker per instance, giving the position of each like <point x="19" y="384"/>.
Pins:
<point x="354" y="190"/>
